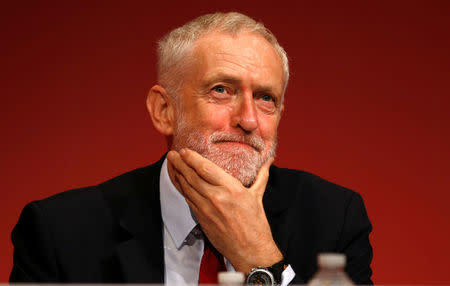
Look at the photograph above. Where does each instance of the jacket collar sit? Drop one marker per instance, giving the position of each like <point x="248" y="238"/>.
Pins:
<point x="276" y="200"/>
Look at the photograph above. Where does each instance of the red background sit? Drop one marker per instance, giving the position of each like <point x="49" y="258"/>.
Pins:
<point x="367" y="107"/>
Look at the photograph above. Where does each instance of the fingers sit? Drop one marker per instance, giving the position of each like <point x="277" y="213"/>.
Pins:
<point x="206" y="169"/>
<point x="214" y="175"/>
<point x="192" y="197"/>
<point x="202" y="174"/>
<point x="192" y="178"/>
<point x="259" y="186"/>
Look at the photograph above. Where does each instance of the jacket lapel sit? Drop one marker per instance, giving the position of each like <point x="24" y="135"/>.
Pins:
<point x="136" y="204"/>
<point x="276" y="202"/>
<point x="142" y="256"/>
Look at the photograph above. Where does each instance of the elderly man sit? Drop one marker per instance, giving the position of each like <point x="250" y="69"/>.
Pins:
<point x="214" y="202"/>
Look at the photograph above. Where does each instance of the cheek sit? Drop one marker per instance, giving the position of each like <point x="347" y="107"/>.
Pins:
<point x="268" y="128"/>
<point x="214" y="118"/>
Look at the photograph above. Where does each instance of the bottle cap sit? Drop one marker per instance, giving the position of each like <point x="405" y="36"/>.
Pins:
<point x="331" y="260"/>
<point x="235" y="278"/>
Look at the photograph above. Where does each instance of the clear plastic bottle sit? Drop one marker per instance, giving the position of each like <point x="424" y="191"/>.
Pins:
<point x="331" y="271"/>
<point x="231" y="278"/>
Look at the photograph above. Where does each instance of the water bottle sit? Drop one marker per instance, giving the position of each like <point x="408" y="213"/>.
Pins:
<point x="331" y="271"/>
<point x="231" y="278"/>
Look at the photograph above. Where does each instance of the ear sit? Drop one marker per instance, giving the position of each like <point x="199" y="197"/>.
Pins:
<point x="161" y="107"/>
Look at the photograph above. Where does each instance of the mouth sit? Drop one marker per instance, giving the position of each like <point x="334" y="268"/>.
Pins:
<point x="255" y="143"/>
<point x="239" y="144"/>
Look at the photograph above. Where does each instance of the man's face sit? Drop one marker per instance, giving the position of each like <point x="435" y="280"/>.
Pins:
<point x="230" y="103"/>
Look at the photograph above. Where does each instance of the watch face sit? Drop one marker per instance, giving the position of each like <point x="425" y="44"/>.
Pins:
<point x="260" y="277"/>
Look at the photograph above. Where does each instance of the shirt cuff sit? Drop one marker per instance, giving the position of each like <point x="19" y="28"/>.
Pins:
<point x="287" y="275"/>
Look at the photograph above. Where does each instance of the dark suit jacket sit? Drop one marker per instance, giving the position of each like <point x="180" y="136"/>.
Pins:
<point x="113" y="232"/>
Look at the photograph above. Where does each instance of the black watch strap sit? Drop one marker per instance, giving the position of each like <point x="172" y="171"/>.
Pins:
<point x="277" y="269"/>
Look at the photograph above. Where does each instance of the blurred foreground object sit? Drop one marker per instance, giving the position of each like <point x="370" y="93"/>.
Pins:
<point x="231" y="278"/>
<point x="331" y="271"/>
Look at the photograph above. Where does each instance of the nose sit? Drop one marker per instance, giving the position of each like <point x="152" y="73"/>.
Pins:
<point x="246" y="117"/>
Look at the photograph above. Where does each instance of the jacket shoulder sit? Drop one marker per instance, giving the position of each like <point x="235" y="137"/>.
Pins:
<point x="309" y="186"/>
<point x="89" y="197"/>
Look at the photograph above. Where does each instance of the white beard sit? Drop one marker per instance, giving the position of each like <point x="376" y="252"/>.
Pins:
<point x="241" y="162"/>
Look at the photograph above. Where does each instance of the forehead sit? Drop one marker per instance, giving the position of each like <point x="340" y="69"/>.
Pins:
<point x="246" y="55"/>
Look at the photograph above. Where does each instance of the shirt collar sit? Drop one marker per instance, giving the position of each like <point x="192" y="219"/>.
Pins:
<point x="176" y="214"/>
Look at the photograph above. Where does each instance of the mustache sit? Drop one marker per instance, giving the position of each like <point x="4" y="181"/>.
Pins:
<point x="253" y="140"/>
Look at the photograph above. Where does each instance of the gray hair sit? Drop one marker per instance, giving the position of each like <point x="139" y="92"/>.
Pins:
<point x="174" y="48"/>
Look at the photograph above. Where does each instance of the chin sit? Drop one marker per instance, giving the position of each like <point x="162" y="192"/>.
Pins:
<point x="240" y="163"/>
<point x="245" y="174"/>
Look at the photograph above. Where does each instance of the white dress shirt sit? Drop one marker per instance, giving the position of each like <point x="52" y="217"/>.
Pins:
<point x="183" y="245"/>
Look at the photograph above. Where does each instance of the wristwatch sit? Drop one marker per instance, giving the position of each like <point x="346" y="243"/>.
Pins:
<point x="267" y="276"/>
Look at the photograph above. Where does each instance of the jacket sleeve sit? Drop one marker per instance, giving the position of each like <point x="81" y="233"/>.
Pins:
<point x="34" y="257"/>
<point x="354" y="241"/>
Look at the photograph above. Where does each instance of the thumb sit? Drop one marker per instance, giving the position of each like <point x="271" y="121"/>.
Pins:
<point x="259" y="186"/>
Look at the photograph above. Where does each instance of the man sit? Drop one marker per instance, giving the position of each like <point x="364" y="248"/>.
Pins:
<point x="218" y="102"/>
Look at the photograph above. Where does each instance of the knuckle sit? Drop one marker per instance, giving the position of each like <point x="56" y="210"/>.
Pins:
<point x="196" y="181"/>
<point x="204" y="168"/>
<point x="217" y="199"/>
<point x="188" y="177"/>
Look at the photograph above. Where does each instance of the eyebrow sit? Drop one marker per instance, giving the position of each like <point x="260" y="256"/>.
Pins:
<point x="221" y="77"/>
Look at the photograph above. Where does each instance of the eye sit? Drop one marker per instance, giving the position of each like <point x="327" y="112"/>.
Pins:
<point x="219" y="89"/>
<point x="267" y="97"/>
<point x="266" y="102"/>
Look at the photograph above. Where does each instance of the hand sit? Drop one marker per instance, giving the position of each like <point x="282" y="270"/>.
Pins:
<point x="231" y="215"/>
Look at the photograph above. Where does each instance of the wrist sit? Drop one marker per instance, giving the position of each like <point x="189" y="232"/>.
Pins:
<point x="265" y="259"/>
<point x="271" y="275"/>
